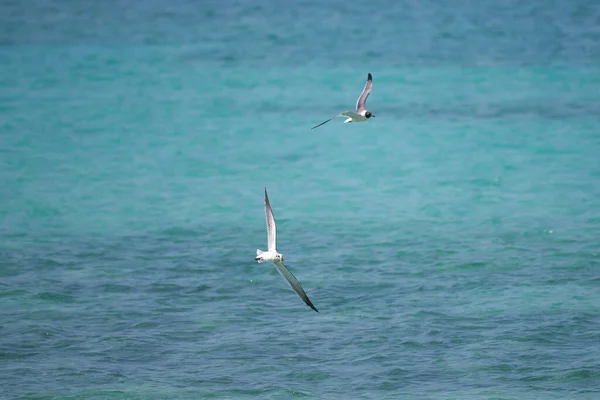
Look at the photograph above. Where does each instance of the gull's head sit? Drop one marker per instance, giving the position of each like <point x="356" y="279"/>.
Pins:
<point x="368" y="114"/>
<point x="279" y="257"/>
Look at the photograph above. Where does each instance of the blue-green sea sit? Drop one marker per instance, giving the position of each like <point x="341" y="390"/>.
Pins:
<point x="451" y="244"/>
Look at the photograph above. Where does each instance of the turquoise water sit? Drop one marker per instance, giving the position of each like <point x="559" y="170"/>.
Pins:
<point x="450" y="244"/>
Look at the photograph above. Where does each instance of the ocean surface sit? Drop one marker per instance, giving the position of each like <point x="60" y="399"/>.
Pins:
<point x="451" y="244"/>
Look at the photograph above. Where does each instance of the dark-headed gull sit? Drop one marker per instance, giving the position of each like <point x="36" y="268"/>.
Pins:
<point x="361" y="114"/>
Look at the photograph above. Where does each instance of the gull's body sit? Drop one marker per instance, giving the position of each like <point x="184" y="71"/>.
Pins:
<point x="361" y="114"/>
<point x="276" y="258"/>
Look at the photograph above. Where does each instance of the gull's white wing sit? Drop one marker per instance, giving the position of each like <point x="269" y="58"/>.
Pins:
<point x="324" y="122"/>
<point x="294" y="284"/>
<point x="271" y="228"/>
<point x="361" y="103"/>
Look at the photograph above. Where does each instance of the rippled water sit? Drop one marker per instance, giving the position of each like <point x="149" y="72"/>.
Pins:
<point x="450" y="244"/>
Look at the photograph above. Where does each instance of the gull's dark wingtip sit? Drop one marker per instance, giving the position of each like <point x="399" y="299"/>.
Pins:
<point x="308" y="303"/>
<point x="370" y="77"/>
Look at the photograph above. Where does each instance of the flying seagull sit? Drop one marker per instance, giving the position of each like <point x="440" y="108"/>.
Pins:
<point x="361" y="114"/>
<point x="276" y="258"/>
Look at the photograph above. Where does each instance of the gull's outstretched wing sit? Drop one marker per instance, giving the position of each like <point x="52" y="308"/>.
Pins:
<point x="324" y="122"/>
<point x="271" y="228"/>
<point x="361" y="103"/>
<point x="294" y="284"/>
